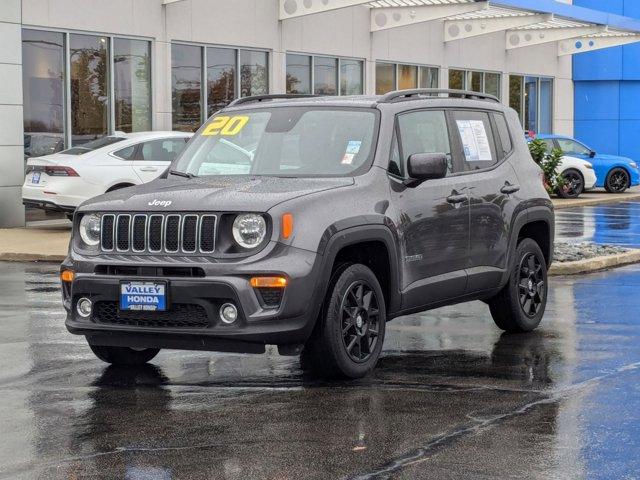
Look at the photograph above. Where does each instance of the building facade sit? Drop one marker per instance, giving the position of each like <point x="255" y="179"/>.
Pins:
<point x="74" y="71"/>
<point x="607" y="90"/>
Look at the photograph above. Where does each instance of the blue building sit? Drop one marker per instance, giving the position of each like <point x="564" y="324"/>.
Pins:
<point x="607" y="90"/>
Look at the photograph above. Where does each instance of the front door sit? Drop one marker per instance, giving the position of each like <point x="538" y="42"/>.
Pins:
<point x="432" y="217"/>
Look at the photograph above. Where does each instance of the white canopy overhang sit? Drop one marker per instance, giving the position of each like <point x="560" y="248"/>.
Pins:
<point x="525" y="22"/>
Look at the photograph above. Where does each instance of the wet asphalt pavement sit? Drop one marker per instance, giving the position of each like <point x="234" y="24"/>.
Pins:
<point x="451" y="398"/>
<point x="613" y="224"/>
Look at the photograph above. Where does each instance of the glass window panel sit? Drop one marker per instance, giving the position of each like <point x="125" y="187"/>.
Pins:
<point x="423" y="132"/>
<point x="43" y="87"/>
<point x="254" y="73"/>
<point x="503" y="133"/>
<point x="429" y="77"/>
<point x="531" y="104"/>
<point x="385" y="77"/>
<point x="477" y="79"/>
<point x="186" y="81"/>
<point x="457" y="79"/>
<point x="467" y="128"/>
<point x="546" y="105"/>
<point x="407" y="77"/>
<point x="89" y="87"/>
<point x="325" y="76"/>
<point x="298" y="74"/>
<point x="492" y="84"/>
<point x="132" y="84"/>
<point x="515" y="94"/>
<point x="351" y="77"/>
<point x="221" y="78"/>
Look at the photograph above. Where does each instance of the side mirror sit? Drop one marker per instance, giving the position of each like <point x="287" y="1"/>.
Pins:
<point x="592" y="154"/>
<point x="426" y="166"/>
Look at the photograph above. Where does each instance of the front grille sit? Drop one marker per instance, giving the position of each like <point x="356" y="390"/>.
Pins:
<point x="159" y="233"/>
<point x="181" y="315"/>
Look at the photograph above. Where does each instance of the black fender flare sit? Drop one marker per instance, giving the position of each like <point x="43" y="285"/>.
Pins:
<point x="529" y="215"/>
<point x="333" y="243"/>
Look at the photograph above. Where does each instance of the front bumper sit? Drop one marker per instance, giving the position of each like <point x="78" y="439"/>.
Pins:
<point x="192" y="319"/>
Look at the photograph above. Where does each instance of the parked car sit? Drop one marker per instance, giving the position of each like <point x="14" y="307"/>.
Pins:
<point x="614" y="173"/>
<point x="328" y="217"/>
<point x="62" y="181"/>
<point x="579" y="174"/>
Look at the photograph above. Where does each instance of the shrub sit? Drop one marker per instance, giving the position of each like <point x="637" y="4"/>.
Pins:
<point x="549" y="162"/>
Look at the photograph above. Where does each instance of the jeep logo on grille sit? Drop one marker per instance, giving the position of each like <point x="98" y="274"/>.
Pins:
<point x="160" y="203"/>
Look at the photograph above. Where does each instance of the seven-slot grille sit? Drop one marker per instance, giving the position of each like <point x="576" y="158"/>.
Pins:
<point x="158" y="233"/>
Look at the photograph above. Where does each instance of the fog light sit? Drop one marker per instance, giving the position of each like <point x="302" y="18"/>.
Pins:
<point x="228" y="313"/>
<point x="84" y="307"/>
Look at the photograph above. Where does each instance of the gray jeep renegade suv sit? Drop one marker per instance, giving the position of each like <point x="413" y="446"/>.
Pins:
<point x="308" y="223"/>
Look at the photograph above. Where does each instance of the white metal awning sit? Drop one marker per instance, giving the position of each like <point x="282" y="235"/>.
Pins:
<point x="524" y="25"/>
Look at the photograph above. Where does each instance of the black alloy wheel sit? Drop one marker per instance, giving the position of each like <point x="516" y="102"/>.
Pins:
<point x="573" y="184"/>
<point x="360" y="321"/>
<point x="531" y="287"/>
<point x="617" y="181"/>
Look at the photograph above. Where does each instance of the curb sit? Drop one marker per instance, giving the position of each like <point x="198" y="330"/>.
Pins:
<point x="595" y="264"/>
<point x="30" y="257"/>
<point x="560" y="204"/>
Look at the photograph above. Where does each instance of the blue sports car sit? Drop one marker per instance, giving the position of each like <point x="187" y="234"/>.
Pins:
<point x="614" y="173"/>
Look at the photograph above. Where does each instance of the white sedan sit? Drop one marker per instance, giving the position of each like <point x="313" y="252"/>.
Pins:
<point x="62" y="181"/>
<point x="578" y="175"/>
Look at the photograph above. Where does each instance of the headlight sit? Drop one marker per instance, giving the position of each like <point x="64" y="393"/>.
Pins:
<point x="249" y="230"/>
<point x="90" y="227"/>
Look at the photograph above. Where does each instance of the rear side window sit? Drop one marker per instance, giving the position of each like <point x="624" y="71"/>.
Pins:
<point x="503" y="133"/>
<point x="475" y="134"/>
<point x="165" y="150"/>
<point x="126" y="153"/>
<point x="421" y="132"/>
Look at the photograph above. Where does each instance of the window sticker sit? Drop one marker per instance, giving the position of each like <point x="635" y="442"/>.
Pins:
<point x="475" y="141"/>
<point x="226" y="126"/>
<point x="353" y="147"/>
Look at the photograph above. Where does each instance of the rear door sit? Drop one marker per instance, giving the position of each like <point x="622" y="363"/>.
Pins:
<point x="154" y="156"/>
<point x="432" y="217"/>
<point x="486" y="143"/>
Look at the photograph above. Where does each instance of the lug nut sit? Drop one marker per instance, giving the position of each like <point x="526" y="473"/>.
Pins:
<point x="84" y="307"/>
<point x="228" y="313"/>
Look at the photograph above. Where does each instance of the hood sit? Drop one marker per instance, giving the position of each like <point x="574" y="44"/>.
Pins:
<point x="229" y="193"/>
<point x="612" y="158"/>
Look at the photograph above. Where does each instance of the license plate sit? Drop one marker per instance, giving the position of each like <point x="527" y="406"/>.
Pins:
<point x="143" y="296"/>
<point x="35" y="178"/>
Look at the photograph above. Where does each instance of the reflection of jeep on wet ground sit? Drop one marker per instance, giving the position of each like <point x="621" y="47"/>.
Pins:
<point x="309" y="223"/>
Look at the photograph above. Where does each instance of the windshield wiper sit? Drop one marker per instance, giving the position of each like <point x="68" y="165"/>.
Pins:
<point x="182" y="174"/>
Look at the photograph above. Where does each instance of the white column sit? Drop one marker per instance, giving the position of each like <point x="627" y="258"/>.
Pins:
<point x="11" y="119"/>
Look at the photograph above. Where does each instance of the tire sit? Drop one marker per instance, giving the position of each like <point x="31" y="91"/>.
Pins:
<point x="124" y="355"/>
<point x="617" y="180"/>
<point x="349" y="333"/>
<point x="520" y="305"/>
<point x="574" y="185"/>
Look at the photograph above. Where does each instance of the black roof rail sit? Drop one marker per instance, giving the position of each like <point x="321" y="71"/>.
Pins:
<point x="421" y="93"/>
<point x="262" y="98"/>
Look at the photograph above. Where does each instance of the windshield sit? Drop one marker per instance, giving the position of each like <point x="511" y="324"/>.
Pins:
<point x="93" y="145"/>
<point x="282" y="141"/>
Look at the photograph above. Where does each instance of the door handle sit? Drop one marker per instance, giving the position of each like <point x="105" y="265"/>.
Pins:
<point x="508" y="189"/>
<point x="148" y="169"/>
<point x="456" y="198"/>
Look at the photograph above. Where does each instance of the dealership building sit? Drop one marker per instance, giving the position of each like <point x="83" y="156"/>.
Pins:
<point x="73" y="71"/>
